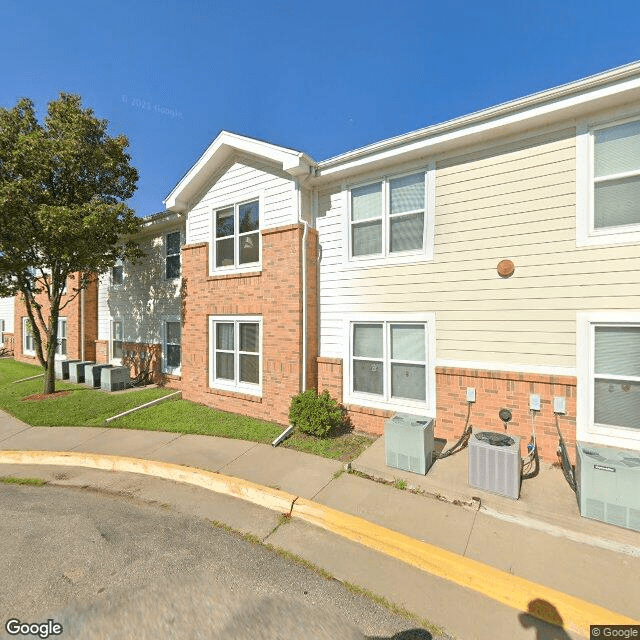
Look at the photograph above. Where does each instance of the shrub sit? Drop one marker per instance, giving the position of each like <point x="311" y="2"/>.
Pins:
<point x="315" y="414"/>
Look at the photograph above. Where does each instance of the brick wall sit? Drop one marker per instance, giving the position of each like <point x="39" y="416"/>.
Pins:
<point x="498" y="389"/>
<point x="495" y="390"/>
<point x="72" y="313"/>
<point x="275" y="293"/>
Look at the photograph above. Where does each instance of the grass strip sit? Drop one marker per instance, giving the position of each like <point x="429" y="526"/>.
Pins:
<point x="31" y="482"/>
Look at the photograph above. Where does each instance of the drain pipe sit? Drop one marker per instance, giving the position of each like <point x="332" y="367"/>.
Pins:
<point x="82" y="324"/>
<point x="303" y="386"/>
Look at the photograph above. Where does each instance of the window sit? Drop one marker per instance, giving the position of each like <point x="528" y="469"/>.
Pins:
<point x="236" y="233"/>
<point x="609" y="378"/>
<point x="236" y="353"/>
<point x="172" y="331"/>
<point x="117" y="274"/>
<point x="61" y="347"/>
<point x="116" y="339"/>
<point x="391" y="217"/>
<point x="609" y="183"/>
<point x="28" y="342"/>
<point x="172" y="253"/>
<point x="1" y="331"/>
<point x="389" y="362"/>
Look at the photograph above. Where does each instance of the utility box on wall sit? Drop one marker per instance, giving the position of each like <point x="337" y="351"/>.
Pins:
<point x="408" y="442"/>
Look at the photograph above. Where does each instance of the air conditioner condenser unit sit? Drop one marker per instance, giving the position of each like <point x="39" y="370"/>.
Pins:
<point x="495" y="464"/>
<point x="408" y="442"/>
<point x="608" y="484"/>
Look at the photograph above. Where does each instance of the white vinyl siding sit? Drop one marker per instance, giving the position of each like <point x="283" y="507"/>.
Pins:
<point x="515" y="201"/>
<point x="235" y="353"/>
<point x="237" y="182"/>
<point x="6" y="313"/>
<point x="145" y="297"/>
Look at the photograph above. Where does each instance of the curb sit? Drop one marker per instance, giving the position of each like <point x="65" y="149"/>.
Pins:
<point x="518" y="593"/>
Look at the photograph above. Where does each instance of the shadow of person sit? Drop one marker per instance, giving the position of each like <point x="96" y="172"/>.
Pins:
<point x="545" y="619"/>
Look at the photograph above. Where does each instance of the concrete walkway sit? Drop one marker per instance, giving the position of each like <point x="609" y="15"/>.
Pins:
<point x="540" y="540"/>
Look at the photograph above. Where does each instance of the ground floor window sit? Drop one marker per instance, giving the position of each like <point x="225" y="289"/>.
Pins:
<point x="609" y="377"/>
<point x="172" y="346"/>
<point x="61" y="346"/>
<point x="116" y="339"/>
<point x="28" y="342"/>
<point x="1" y="332"/>
<point x="235" y="353"/>
<point x="389" y="361"/>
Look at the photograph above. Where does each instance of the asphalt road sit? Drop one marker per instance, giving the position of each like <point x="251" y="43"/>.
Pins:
<point x="107" y="566"/>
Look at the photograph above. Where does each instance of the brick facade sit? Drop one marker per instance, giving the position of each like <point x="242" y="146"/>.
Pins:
<point x="495" y="390"/>
<point x="275" y="294"/>
<point x="73" y="313"/>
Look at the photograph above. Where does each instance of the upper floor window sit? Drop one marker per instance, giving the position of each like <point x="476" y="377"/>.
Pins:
<point x="172" y="255"/>
<point x="391" y="218"/>
<point x="117" y="274"/>
<point x="236" y="236"/>
<point x="609" y="183"/>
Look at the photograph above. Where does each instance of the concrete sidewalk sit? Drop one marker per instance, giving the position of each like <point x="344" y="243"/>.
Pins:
<point x="540" y="541"/>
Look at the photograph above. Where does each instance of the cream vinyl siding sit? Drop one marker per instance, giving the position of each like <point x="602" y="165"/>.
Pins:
<point x="241" y="180"/>
<point x="515" y="201"/>
<point x="145" y="298"/>
<point x="6" y="313"/>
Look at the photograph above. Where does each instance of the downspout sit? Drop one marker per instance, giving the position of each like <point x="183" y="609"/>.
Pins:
<point x="82" y="324"/>
<point x="304" y="288"/>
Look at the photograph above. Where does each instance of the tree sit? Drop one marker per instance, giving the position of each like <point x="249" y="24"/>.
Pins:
<point x="62" y="212"/>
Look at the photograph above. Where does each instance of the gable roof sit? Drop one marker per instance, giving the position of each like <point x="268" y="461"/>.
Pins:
<point x="224" y="146"/>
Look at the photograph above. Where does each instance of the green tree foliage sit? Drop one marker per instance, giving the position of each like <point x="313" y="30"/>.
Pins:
<point x="63" y="184"/>
<point x="317" y="415"/>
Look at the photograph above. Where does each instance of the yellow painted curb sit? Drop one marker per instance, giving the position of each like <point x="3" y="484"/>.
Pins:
<point x="521" y="594"/>
<point x="541" y="602"/>
<point x="235" y="487"/>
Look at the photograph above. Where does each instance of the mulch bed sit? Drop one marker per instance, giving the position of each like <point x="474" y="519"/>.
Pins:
<point x="46" y="396"/>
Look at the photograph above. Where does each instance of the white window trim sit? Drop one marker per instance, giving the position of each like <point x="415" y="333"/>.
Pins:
<point x="2" y="331"/>
<point x="166" y="255"/>
<point x="25" y="351"/>
<point x="240" y="387"/>
<point x="60" y="356"/>
<point x="251" y="267"/>
<point x="586" y="234"/>
<point x="112" y="360"/>
<point x="586" y="430"/>
<point x="174" y="371"/>
<point x="386" y="258"/>
<point x="375" y="402"/>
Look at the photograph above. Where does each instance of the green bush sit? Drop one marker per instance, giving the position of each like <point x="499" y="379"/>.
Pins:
<point x="317" y="415"/>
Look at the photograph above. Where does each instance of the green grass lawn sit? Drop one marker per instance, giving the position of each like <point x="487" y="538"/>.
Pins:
<point x="87" y="407"/>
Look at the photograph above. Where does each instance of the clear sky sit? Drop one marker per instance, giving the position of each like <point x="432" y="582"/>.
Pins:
<point x="320" y="77"/>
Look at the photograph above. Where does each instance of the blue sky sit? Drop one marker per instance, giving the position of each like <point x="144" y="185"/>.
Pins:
<point x="321" y="77"/>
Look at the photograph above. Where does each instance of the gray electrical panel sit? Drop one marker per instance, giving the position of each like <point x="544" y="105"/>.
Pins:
<point x="495" y="464"/>
<point x="62" y="368"/>
<point x="408" y="442"/>
<point x="608" y="484"/>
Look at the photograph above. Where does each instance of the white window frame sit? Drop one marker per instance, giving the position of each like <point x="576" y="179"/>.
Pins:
<point x="60" y="356"/>
<point x="236" y="267"/>
<point x="175" y="371"/>
<point x="586" y="233"/>
<point x="112" y="359"/>
<point x="2" y="325"/>
<point x="387" y="402"/>
<point x="586" y="429"/>
<point x="111" y="278"/>
<point x="167" y="255"/>
<point x="25" y="335"/>
<point x="386" y="257"/>
<point x="236" y="385"/>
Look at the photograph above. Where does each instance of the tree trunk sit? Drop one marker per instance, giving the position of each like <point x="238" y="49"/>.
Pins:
<point x="50" y="373"/>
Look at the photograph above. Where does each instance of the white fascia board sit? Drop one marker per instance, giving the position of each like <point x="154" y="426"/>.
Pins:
<point x="293" y="162"/>
<point x="568" y="101"/>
